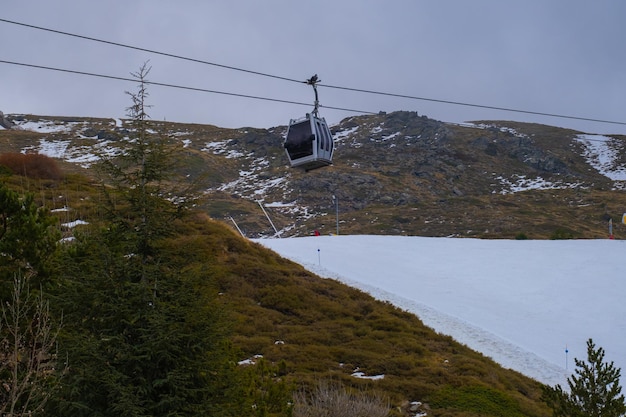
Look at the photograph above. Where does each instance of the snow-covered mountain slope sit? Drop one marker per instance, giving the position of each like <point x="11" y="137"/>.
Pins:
<point x="522" y="303"/>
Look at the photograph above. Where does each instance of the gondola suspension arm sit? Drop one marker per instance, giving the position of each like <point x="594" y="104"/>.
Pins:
<point x="313" y="82"/>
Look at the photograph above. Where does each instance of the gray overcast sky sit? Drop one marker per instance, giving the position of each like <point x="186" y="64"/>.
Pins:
<point x="563" y="57"/>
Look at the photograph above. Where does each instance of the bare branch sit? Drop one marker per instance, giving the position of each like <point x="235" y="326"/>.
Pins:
<point x="28" y="359"/>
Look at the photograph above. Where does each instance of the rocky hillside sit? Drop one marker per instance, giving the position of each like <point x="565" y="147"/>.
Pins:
<point x="396" y="173"/>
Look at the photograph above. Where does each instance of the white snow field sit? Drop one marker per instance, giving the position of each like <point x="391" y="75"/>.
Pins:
<point x="530" y="305"/>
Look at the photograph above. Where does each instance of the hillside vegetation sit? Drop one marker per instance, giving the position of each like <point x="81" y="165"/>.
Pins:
<point x="168" y="311"/>
<point x="397" y="173"/>
<point x="309" y="329"/>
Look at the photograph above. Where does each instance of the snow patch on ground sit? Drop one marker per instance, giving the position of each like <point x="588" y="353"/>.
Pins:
<point x="53" y="149"/>
<point x="47" y="126"/>
<point x="389" y="137"/>
<point x="221" y="148"/>
<point x="250" y="361"/>
<point x="84" y="155"/>
<point x="59" y="210"/>
<point x="484" y="126"/>
<point x="521" y="183"/>
<point x="602" y="153"/>
<point x="87" y="155"/>
<point x="341" y="135"/>
<point x="71" y="225"/>
<point x="361" y="375"/>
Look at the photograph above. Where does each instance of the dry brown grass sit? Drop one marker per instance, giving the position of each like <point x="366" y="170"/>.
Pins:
<point x="332" y="400"/>
<point x="35" y="165"/>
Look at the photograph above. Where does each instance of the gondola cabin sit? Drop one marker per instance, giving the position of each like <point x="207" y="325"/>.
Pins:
<point x="309" y="143"/>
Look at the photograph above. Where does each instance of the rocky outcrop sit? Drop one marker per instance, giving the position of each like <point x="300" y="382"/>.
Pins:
<point x="6" y="123"/>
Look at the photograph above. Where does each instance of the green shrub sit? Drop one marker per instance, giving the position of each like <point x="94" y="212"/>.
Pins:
<point x="478" y="399"/>
<point x="561" y="234"/>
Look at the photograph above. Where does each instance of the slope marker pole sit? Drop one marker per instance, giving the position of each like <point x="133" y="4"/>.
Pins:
<point x="268" y="218"/>
<point x="238" y="229"/>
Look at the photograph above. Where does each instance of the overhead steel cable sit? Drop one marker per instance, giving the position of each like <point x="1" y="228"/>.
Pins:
<point x="203" y="90"/>
<point x="359" y="90"/>
<point x="458" y="103"/>
<point x="151" y="51"/>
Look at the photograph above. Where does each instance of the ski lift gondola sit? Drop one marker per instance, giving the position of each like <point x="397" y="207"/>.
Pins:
<point x="309" y="143"/>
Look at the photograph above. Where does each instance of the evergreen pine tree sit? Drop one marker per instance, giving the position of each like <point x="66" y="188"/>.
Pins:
<point x="145" y="336"/>
<point x="594" y="390"/>
<point x="142" y="193"/>
<point x="27" y="238"/>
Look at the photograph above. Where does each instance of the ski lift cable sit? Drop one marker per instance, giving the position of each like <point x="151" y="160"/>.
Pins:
<point x="382" y="93"/>
<point x="198" y="89"/>
<point x="203" y="90"/>
<point x="151" y="51"/>
<point x="458" y="103"/>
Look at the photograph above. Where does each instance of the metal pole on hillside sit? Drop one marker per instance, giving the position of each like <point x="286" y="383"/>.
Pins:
<point x="336" y="201"/>
<point x="238" y="229"/>
<point x="268" y="218"/>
